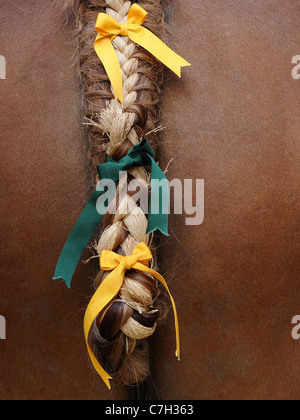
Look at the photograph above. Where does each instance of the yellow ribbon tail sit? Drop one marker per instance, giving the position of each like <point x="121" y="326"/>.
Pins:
<point x="110" y="288"/>
<point x="141" y="36"/>
<point x="107" y="55"/>
<point x="107" y="291"/>
<point x="158" y="48"/>
<point x="104" y="375"/>
<point x="141" y="267"/>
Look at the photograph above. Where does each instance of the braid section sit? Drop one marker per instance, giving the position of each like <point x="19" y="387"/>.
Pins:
<point x="118" y="335"/>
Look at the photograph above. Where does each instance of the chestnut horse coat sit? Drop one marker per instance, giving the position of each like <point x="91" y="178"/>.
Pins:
<point x="232" y="120"/>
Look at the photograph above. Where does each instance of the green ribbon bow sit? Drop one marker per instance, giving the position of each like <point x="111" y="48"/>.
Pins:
<point x="140" y="155"/>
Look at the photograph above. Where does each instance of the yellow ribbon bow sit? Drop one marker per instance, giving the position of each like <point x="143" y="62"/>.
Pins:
<point x="108" y="29"/>
<point x="110" y="288"/>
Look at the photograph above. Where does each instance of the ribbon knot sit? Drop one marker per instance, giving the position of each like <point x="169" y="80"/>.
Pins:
<point x="110" y="288"/>
<point x="130" y="261"/>
<point x="108" y="28"/>
<point x="124" y="29"/>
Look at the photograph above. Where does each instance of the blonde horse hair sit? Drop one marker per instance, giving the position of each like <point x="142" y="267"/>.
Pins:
<point x="118" y="335"/>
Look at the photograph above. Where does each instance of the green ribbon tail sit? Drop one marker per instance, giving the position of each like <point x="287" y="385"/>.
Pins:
<point x="78" y="240"/>
<point x="91" y="217"/>
<point x="160" y="201"/>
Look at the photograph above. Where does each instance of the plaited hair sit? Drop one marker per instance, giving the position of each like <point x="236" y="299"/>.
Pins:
<point x="118" y="335"/>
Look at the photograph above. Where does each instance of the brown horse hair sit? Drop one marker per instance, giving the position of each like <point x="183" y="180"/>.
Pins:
<point x="118" y="335"/>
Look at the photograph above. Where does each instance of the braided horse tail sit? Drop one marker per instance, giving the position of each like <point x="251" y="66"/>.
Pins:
<point x="117" y="337"/>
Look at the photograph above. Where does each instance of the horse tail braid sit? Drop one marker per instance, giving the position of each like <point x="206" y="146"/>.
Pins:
<point x="118" y="335"/>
